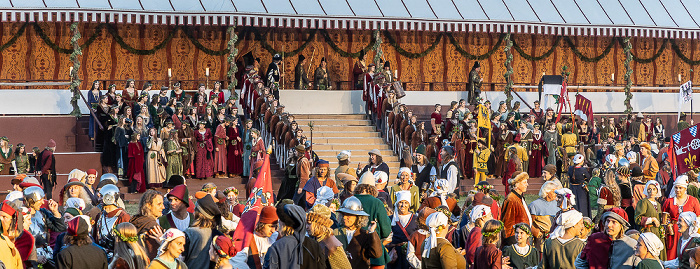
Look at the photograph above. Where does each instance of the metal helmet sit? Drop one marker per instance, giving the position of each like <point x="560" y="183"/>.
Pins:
<point x="623" y="162"/>
<point x="632" y="156"/>
<point x="610" y="159"/>
<point x="33" y="194"/>
<point x="110" y="194"/>
<point x="352" y="206"/>
<point x="578" y="159"/>
<point x="110" y="177"/>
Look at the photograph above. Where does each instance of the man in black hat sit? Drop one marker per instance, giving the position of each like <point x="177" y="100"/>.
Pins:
<point x="388" y="76"/>
<point x="301" y="80"/>
<point x="474" y="86"/>
<point x="321" y="78"/>
<point x="357" y="71"/>
<point x="273" y="75"/>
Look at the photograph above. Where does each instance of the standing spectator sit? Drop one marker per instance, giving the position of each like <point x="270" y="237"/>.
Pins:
<point x="436" y="120"/>
<point x="522" y="255"/>
<point x="403" y="224"/>
<point x="178" y="217"/>
<point x="9" y="254"/>
<point x="361" y="243"/>
<point x="578" y="177"/>
<point x="247" y="146"/>
<point x="234" y="148"/>
<point x="172" y="246"/>
<point x="514" y="210"/>
<point x="678" y="203"/>
<point x="610" y="248"/>
<point x="319" y="227"/>
<point x="21" y="159"/>
<point x="7" y="156"/>
<point x="199" y="236"/>
<point x="478" y="216"/>
<point x="79" y="251"/>
<point x="688" y="229"/>
<point x="543" y="211"/>
<point x="321" y="179"/>
<point x="649" y="247"/>
<point x="489" y="255"/>
<point x="220" y="146"/>
<point x="46" y="166"/>
<point x="376" y="163"/>
<point x="321" y="77"/>
<point x="146" y="222"/>
<point x="93" y="95"/>
<point x="561" y="248"/>
<point x="449" y="169"/>
<point x="203" y="161"/>
<point x="343" y="167"/>
<point x="135" y="173"/>
<point x="406" y="184"/>
<point x="174" y="153"/>
<point x="128" y="253"/>
<point x="155" y="168"/>
<point x="366" y="192"/>
<point x="294" y="249"/>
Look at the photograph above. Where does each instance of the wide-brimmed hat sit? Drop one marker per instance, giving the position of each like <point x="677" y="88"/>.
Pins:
<point x="375" y="152"/>
<point x="352" y="206"/>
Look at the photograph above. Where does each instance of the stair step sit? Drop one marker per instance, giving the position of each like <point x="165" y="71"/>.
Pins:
<point x="341" y="128"/>
<point x="386" y="152"/>
<point x="347" y="140"/>
<point x="362" y="148"/>
<point x="304" y="123"/>
<point x="330" y="116"/>
<point x="345" y="134"/>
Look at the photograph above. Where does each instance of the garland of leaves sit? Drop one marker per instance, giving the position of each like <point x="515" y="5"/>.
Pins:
<point x="200" y="46"/>
<point x="471" y="56"/>
<point x="408" y="54"/>
<point x="75" y="79"/>
<point x="508" y="75"/>
<point x="536" y="58"/>
<point x="40" y="32"/>
<point x="653" y="57"/>
<point x="587" y="59"/>
<point x="113" y="31"/>
<point x="14" y="38"/>
<point x="378" y="53"/>
<point x="628" y="74"/>
<point x="343" y="53"/>
<point x="680" y="54"/>
<point x="233" y="69"/>
<point x="262" y="38"/>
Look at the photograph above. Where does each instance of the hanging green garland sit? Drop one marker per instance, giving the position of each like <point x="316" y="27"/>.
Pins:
<point x="75" y="78"/>
<point x="378" y="52"/>
<point x="408" y="54"/>
<point x="508" y="75"/>
<point x="653" y="57"/>
<point x="587" y="59"/>
<point x="536" y="58"/>
<point x="14" y="38"/>
<point x="343" y="53"/>
<point x="233" y="69"/>
<point x="627" y="49"/>
<point x="47" y="40"/>
<point x="111" y="29"/>
<point x="262" y="38"/>
<point x="471" y="56"/>
<point x="200" y="46"/>
<point x="680" y="54"/>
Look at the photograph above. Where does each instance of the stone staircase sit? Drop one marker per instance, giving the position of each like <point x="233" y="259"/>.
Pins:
<point x="335" y="133"/>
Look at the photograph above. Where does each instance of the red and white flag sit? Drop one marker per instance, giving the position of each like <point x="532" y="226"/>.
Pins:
<point x="260" y="196"/>
<point x="583" y="108"/>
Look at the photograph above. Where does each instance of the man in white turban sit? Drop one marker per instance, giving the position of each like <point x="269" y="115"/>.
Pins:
<point x="649" y="249"/>
<point x="565" y="221"/>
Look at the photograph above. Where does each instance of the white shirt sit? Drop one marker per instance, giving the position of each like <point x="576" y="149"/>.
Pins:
<point x="264" y="243"/>
<point x="181" y="224"/>
<point x="421" y="167"/>
<point x="527" y="211"/>
<point x="349" y="234"/>
<point x="451" y="177"/>
<point x="522" y="250"/>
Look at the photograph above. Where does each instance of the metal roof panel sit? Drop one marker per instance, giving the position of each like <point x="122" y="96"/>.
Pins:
<point x="420" y="9"/>
<point x="186" y="5"/>
<point x="521" y="10"/>
<point x="308" y="7"/>
<point x="445" y="9"/>
<point x="471" y="10"/>
<point x="658" y="13"/>
<point x="496" y="10"/>
<point x="679" y="13"/>
<point x="393" y="8"/>
<point x="637" y="12"/>
<point x="594" y="12"/>
<point x="279" y="7"/>
<point x="127" y="4"/>
<point x="336" y="7"/>
<point x="61" y="3"/>
<point x="160" y="5"/>
<point x="546" y="11"/>
<point x="218" y="5"/>
<point x="570" y="12"/>
<point x="249" y="6"/>
<point x="693" y="7"/>
<point x="617" y="13"/>
<point x="365" y="8"/>
<point x="23" y="3"/>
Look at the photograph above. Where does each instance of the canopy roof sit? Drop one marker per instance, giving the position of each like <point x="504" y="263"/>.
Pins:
<point x="648" y="18"/>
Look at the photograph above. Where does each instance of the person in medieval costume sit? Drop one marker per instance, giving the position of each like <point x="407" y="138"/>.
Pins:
<point x="203" y="158"/>
<point x="301" y="80"/>
<point x="503" y="142"/>
<point x="135" y="173"/>
<point x="234" y="148"/>
<point x="247" y="146"/>
<point x="174" y="153"/>
<point x="552" y="142"/>
<point x="155" y="166"/>
<point x="321" y="78"/>
<point x="186" y="136"/>
<point x="274" y="75"/>
<point x="538" y="152"/>
<point x="359" y="69"/>
<point x="474" y="86"/>
<point x="220" y="155"/>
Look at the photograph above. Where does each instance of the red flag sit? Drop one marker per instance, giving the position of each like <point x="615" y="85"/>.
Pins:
<point x="684" y="150"/>
<point x="260" y="196"/>
<point x="583" y="108"/>
<point x="561" y="99"/>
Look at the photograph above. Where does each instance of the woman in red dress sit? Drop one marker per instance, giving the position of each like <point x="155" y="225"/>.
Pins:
<point x="435" y="120"/>
<point x="216" y="94"/>
<point x="130" y="94"/>
<point x="203" y="162"/>
<point x="234" y="148"/>
<point x="679" y="202"/>
<point x="538" y="152"/>
<point x="515" y="166"/>
<point x="256" y="153"/>
<point x="220" y="156"/>
<point x="135" y="172"/>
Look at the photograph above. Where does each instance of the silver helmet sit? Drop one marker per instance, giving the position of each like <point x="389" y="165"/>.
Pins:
<point x="33" y="194"/>
<point x="111" y="177"/>
<point x="110" y="194"/>
<point x="623" y="162"/>
<point x="610" y="159"/>
<point x="352" y="206"/>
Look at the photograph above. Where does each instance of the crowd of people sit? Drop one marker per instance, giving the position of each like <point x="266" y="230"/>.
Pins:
<point x="608" y="198"/>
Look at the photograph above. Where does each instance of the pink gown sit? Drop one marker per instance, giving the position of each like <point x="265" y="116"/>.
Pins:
<point x="203" y="161"/>
<point x="220" y="150"/>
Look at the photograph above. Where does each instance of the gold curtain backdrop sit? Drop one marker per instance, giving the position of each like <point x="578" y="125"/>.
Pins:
<point x="30" y="58"/>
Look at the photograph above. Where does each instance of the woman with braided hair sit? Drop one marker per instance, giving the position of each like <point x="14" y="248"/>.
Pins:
<point x="128" y="253"/>
<point x="609" y="193"/>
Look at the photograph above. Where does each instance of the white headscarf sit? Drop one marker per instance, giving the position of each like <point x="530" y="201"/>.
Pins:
<point x="168" y="236"/>
<point x="653" y="243"/>
<point x="400" y="196"/>
<point x="14" y="195"/>
<point x="479" y="212"/>
<point x="433" y="221"/>
<point x="658" y="188"/>
<point x="323" y="195"/>
<point x="75" y="202"/>
<point x="682" y="181"/>
<point x="405" y="170"/>
<point x="441" y="190"/>
<point x="692" y="220"/>
<point x="568" y="201"/>
<point x="566" y="220"/>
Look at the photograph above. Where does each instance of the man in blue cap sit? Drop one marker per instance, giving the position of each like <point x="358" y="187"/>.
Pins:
<point x="321" y="179"/>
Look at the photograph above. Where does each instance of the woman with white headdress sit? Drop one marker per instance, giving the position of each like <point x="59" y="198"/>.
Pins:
<point x="404" y="223"/>
<point x="578" y="177"/>
<point x="562" y="247"/>
<point x="565" y="199"/>
<point x="688" y="233"/>
<point x="437" y="251"/>
<point x="646" y="215"/>
<point x="478" y="216"/>
<point x="441" y="197"/>
<point x="649" y="247"/>
<point x="406" y="184"/>
<point x="678" y="203"/>
<point x="171" y="246"/>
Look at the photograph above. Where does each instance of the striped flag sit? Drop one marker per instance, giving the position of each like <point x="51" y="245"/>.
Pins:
<point x="260" y="196"/>
<point x="583" y="108"/>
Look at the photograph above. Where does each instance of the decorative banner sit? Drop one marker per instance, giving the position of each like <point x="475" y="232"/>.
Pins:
<point x="686" y="148"/>
<point x="583" y="108"/>
<point x="686" y="92"/>
<point x="260" y="196"/>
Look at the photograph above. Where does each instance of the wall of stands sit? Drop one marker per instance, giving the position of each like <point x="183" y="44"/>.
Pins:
<point x="145" y="52"/>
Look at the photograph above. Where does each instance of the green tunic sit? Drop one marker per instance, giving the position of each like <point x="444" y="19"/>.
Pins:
<point x="556" y="255"/>
<point x="593" y="186"/>
<point x="645" y="209"/>
<point x="415" y="196"/>
<point x="174" y="159"/>
<point x="519" y="261"/>
<point x="22" y="162"/>
<point x="376" y="211"/>
<point x="649" y="264"/>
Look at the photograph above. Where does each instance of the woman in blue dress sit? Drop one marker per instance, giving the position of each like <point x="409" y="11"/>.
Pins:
<point x="94" y="96"/>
